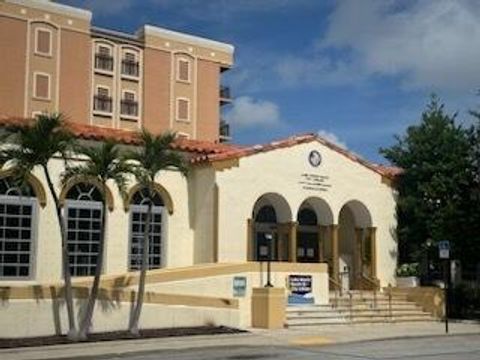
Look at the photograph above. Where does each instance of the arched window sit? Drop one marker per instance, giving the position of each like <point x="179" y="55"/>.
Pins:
<point x="307" y="217"/>
<point x="138" y="212"/>
<point x="83" y="208"/>
<point x="17" y="219"/>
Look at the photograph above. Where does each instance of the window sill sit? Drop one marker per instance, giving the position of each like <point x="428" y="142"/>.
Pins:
<point x="38" y="98"/>
<point x="130" y="118"/>
<point x="187" y="82"/>
<point x="185" y="121"/>
<point x="103" y="72"/>
<point x="45" y="55"/>
<point x="102" y="113"/>
<point x="130" y="77"/>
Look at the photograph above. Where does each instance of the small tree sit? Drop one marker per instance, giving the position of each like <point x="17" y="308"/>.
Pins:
<point x="104" y="163"/>
<point x="32" y="146"/>
<point x="435" y="159"/>
<point x="154" y="155"/>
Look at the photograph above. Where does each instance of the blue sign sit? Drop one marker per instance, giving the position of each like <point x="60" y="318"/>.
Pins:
<point x="300" y="289"/>
<point x="239" y="286"/>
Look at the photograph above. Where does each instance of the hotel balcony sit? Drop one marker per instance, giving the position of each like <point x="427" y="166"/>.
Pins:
<point x="102" y="104"/>
<point x="103" y="62"/>
<point x="224" y="131"/>
<point x="225" y="97"/>
<point x="130" y="68"/>
<point x="129" y="108"/>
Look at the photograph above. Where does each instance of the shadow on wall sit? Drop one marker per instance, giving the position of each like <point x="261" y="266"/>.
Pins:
<point x="108" y="300"/>
<point x="394" y="252"/>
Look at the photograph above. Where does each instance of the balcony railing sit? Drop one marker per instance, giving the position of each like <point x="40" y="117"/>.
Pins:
<point x="130" y="68"/>
<point x="129" y="108"/>
<point x="103" y="62"/>
<point x="102" y="103"/>
<point x="224" y="131"/>
<point x="225" y="93"/>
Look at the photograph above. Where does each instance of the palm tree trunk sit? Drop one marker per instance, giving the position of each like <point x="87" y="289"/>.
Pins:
<point x="143" y="273"/>
<point x="72" y="332"/>
<point x="87" y="318"/>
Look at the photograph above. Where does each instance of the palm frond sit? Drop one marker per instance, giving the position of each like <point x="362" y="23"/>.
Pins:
<point x="104" y="162"/>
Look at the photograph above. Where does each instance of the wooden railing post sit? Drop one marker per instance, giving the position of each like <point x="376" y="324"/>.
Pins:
<point x="293" y="241"/>
<point x="335" y="255"/>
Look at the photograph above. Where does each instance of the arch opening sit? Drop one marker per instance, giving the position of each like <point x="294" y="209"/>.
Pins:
<point x="271" y="217"/>
<point x="355" y="244"/>
<point x="313" y="217"/>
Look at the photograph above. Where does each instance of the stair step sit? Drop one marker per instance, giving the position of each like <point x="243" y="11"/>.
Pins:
<point x="360" y="321"/>
<point x="369" y="314"/>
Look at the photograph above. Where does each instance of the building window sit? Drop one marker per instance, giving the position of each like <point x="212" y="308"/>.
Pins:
<point x="183" y="109"/>
<point x="137" y="226"/>
<point x="43" y="42"/>
<point x="102" y="101"/>
<point x="83" y="209"/>
<point x="41" y="84"/>
<point x="104" y="58"/>
<point x="183" y="70"/>
<point x="129" y="105"/>
<point x="17" y="219"/>
<point x="130" y="64"/>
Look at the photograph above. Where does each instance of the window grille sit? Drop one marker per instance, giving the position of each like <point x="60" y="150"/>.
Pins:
<point x="84" y="221"/>
<point x="137" y="226"/>
<point x="17" y="219"/>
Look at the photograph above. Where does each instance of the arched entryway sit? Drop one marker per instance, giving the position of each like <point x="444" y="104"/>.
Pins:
<point x="313" y="218"/>
<point x="270" y="229"/>
<point x="356" y="246"/>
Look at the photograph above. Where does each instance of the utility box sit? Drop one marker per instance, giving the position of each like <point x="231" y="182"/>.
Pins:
<point x="268" y="308"/>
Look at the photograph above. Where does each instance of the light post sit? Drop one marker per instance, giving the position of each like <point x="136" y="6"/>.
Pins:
<point x="269" y="238"/>
<point x="429" y="244"/>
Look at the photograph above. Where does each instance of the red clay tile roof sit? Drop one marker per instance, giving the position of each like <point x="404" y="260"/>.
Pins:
<point x="96" y="133"/>
<point x="205" y="151"/>
<point x="387" y="171"/>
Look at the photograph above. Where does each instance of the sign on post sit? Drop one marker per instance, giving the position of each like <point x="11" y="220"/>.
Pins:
<point x="444" y="250"/>
<point x="300" y="289"/>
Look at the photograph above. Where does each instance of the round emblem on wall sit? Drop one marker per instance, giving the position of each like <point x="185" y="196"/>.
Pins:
<point x="314" y="158"/>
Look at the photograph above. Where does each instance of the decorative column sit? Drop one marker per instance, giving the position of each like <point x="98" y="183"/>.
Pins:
<point x="322" y="231"/>
<point x="250" y="245"/>
<point x="335" y="260"/>
<point x="358" y="252"/>
<point x="293" y="241"/>
<point x="372" y="233"/>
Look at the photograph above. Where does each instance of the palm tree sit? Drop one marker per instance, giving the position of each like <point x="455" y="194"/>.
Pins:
<point x="154" y="156"/>
<point x="34" y="146"/>
<point x="103" y="163"/>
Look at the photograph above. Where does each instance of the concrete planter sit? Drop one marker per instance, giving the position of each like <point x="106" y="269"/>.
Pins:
<point x="408" y="281"/>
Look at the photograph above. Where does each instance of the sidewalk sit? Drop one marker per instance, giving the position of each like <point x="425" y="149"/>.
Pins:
<point x="302" y="336"/>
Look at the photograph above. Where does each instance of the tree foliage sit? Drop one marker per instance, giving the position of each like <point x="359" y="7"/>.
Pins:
<point x="435" y="190"/>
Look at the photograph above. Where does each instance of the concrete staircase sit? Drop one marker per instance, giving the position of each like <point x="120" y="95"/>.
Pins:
<point x="357" y="307"/>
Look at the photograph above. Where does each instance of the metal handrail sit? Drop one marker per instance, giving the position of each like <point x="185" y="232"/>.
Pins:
<point x="390" y="302"/>
<point x="350" y="295"/>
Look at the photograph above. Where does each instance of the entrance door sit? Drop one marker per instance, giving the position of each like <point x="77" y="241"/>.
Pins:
<point x="266" y="244"/>
<point x="307" y="247"/>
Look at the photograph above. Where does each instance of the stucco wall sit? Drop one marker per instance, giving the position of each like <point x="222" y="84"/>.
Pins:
<point x="280" y="172"/>
<point x="27" y="318"/>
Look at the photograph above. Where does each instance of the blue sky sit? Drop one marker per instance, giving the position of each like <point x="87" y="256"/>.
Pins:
<point x="356" y="71"/>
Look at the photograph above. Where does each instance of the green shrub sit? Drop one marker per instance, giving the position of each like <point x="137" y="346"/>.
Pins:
<point x="408" y="269"/>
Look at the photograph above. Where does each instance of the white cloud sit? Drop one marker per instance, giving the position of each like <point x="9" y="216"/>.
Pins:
<point x="248" y="112"/>
<point x="432" y="45"/>
<point x="329" y="136"/>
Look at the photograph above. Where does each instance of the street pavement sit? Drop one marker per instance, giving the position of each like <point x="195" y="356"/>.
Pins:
<point x="424" y="341"/>
<point x="461" y="347"/>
